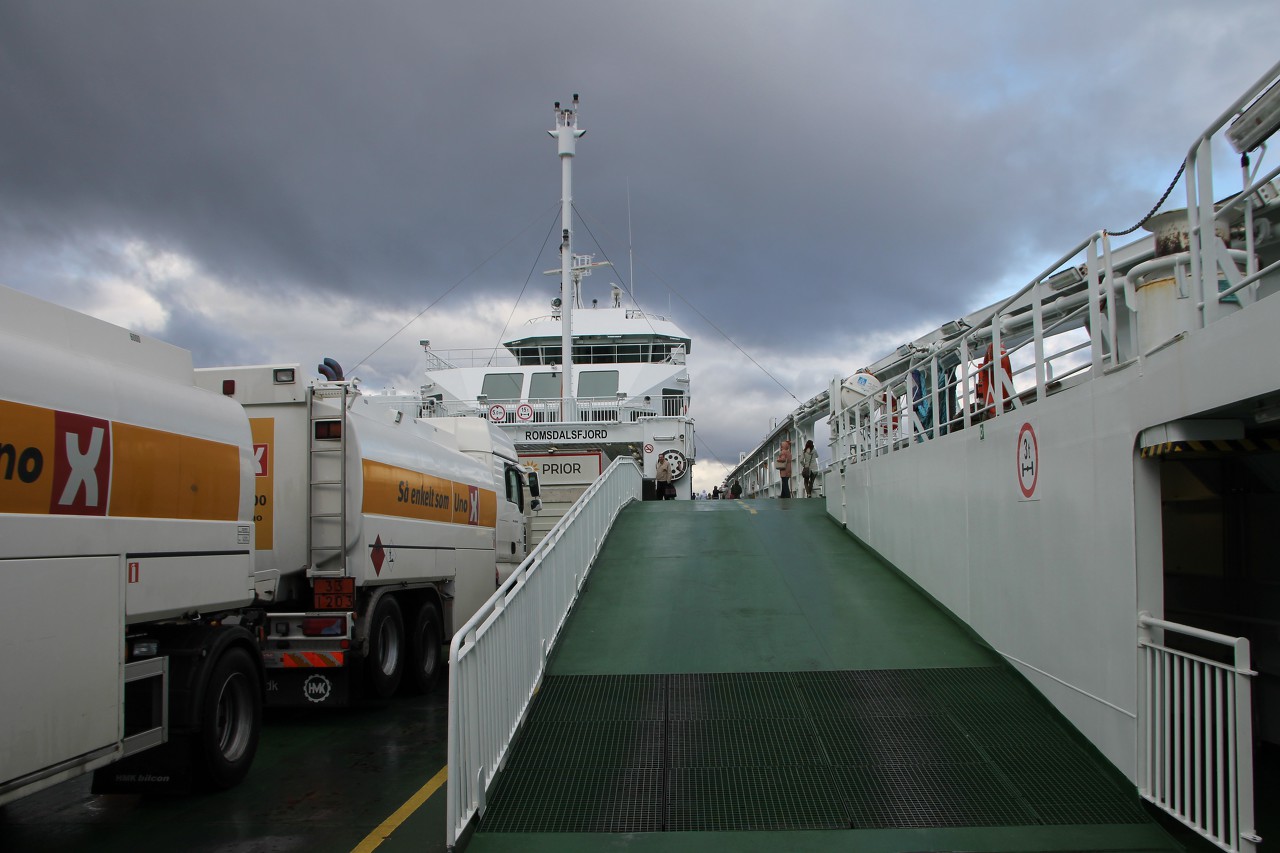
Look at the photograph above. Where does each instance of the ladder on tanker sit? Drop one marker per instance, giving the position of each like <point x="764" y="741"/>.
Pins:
<point x="327" y="480"/>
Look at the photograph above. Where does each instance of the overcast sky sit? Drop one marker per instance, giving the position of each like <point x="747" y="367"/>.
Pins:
<point x="282" y="180"/>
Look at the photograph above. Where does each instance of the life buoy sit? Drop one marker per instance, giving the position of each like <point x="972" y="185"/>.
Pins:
<point x="986" y="388"/>
<point x="890" y="422"/>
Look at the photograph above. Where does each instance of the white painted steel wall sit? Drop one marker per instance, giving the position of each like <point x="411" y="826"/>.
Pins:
<point x="1052" y="584"/>
<point x="496" y="660"/>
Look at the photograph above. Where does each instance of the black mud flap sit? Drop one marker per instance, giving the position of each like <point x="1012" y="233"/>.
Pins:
<point x="308" y="688"/>
<point x="165" y="769"/>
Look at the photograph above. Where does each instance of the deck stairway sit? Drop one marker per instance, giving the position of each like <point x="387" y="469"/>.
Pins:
<point x="742" y="675"/>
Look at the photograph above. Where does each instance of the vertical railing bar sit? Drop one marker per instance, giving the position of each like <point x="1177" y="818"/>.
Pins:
<point x="1232" y="787"/>
<point x="1144" y="723"/>
<point x="1188" y="732"/>
<point x="1095" y="310"/>
<point x="1037" y="333"/>
<point x="1175" y="724"/>
<point x="1218" y="754"/>
<point x="1247" y="837"/>
<point x="1166" y="744"/>
<point x="1193" y="806"/>
<point x="1153" y="723"/>
<point x="1108" y="281"/>
<point x="1158" y="783"/>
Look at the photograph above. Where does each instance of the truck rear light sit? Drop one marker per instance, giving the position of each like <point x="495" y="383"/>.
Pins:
<point x="324" y="626"/>
<point x="328" y="430"/>
<point x="228" y="387"/>
<point x="145" y="649"/>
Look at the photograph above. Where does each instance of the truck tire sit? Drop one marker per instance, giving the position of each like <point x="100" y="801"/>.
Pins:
<point x="384" y="663"/>
<point x="230" y="721"/>
<point x="426" y="651"/>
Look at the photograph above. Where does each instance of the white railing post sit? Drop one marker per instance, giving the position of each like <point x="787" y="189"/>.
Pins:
<point x="1244" y="743"/>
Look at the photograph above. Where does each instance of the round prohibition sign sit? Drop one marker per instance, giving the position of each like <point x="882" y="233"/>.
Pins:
<point x="648" y="448"/>
<point x="524" y="412"/>
<point x="497" y="413"/>
<point x="1028" y="461"/>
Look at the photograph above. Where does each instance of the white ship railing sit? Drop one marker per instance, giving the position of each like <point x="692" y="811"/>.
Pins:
<point x="1196" y="734"/>
<point x="497" y="659"/>
<point x="1076" y="321"/>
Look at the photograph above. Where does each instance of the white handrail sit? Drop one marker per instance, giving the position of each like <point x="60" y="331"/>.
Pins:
<point x="1196" y="735"/>
<point x="496" y="660"/>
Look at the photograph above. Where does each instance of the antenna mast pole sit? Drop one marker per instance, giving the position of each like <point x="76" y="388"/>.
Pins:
<point x="567" y="133"/>
<point x="631" y="256"/>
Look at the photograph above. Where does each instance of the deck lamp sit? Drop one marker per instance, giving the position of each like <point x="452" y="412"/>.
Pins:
<point x="1257" y="123"/>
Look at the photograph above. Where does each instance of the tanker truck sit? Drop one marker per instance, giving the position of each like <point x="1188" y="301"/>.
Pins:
<point x="127" y="573"/>
<point x="387" y="531"/>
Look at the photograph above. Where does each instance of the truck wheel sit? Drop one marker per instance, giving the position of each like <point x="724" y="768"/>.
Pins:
<point x="230" y="720"/>
<point x="385" y="661"/>
<point x="426" y="661"/>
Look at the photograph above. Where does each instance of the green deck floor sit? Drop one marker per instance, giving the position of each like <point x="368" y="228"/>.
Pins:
<point x="744" y="676"/>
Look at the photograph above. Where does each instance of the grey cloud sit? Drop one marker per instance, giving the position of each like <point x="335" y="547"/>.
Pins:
<point x="795" y="170"/>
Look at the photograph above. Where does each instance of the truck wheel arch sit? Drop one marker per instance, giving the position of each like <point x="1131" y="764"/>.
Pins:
<point x="384" y="646"/>
<point x="221" y="750"/>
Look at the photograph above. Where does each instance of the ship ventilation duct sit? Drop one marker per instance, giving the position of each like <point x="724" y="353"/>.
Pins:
<point x="330" y="370"/>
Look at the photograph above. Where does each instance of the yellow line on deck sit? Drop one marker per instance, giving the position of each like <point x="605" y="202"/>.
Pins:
<point x="388" y="826"/>
<point x="743" y="504"/>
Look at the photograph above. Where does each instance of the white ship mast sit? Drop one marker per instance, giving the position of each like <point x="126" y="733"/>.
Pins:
<point x="567" y="133"/>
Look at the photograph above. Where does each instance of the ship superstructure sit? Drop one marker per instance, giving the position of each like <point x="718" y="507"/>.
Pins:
<point x="583" y="385"/>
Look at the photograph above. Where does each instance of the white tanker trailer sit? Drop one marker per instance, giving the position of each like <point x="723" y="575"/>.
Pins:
<point x="126" y="562"/>
<point x="387" y="531"/>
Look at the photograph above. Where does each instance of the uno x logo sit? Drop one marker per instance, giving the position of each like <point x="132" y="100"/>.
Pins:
<point x="81" y="465"/>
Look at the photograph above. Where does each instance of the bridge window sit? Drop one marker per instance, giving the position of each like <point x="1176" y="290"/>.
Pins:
<point x="502" y="386"/>
<point x="544" y="386"/>
<point x="598" y="383"/>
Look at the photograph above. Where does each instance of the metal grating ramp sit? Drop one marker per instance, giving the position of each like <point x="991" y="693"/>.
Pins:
<point x="801" y="750"/>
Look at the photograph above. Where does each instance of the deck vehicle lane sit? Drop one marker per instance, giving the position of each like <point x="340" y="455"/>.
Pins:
<point x="321" y="781"/>
<point x="704" y="586"/>
<point x="729" y="670"/>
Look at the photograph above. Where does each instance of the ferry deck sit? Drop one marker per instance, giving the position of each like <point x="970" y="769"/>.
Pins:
<point x="743" y="675"/>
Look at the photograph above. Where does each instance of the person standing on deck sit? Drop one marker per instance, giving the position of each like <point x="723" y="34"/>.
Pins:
<point x="735" y="491"/>
<point x="808" y="467"/>
<point x="662" y="476"/>
<point x="783" y="464"/>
